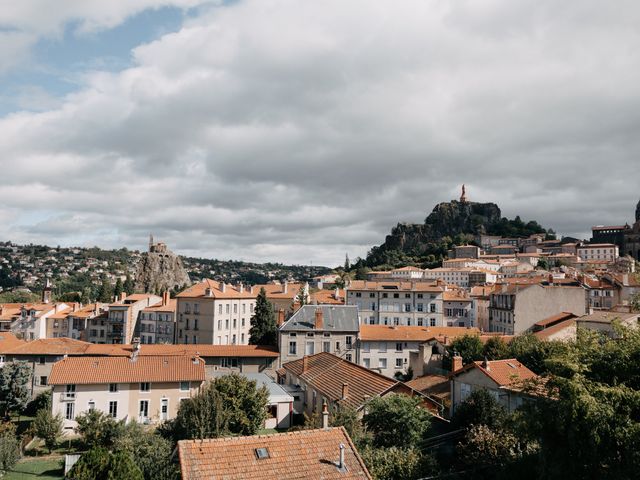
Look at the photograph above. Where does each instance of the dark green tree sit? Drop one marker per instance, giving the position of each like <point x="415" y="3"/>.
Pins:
<point x="105" y="291"/>
<point x="350" y="420"/>
<point x="395" y="463"/>
<point x="347" y="263"/>
<point x="118" y="288"/>
<point x="150" y="452"/>
<point x="100" y="464"/>
<point x="480" y="408"/>
<point x="98" y="429"/>
<point x="129" y="285"/>
<point x="9" y="448"/>
<point x="469" y="347"/>
<point x="48" y="427"/>
<point x="396" y="420"/>
<point x="263" y="329"/>
<point x="496" y="349"/>
<point x="14" y="386"/>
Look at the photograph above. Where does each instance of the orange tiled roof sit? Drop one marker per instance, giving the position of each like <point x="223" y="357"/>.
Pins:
<point x="308" y="454"/>
<point x="455" y="296"/>
<point x="8" y="311"/>
<point x="190" y="349"/>
<point x="160" y="307"/>
<point x="394" y="286"/>
<point x="415" y="334"/>
<point x="97" y="370"/>
<point x="433" y="384"/>
<point x="555" y="328"/>
<point x="199" y="289"/>
<point x="50" y="346"/>
<point x="327" y="297"/>
<point x="276" y="290"/>
<point x="503" y="372"/>
<point x="8" y="341"/>
<point x="552" y="320"/>
<point x="326" y="373"/>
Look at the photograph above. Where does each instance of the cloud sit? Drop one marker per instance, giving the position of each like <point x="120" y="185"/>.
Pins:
<point x="275" y="130"/>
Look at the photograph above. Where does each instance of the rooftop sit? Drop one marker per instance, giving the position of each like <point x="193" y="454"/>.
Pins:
<point x="339" y="318"/>
<point x="503" y="372"/>
<point x="394" y="286"/>
<point x="216" y="290"/>
<point x="369" y="333"/>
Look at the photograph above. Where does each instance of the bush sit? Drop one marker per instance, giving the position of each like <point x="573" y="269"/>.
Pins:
<point x="48" y="427"/>
<point x="398" y="464"/>
<point x="396" y="420"/>
<point x="98" y="429"/>
<point x="9" y="449"/>
<point x="480" y="408"/>
<point x="100" y="464"/>
<point x="42" y="401"/>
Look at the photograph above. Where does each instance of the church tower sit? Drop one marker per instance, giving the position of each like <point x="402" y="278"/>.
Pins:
<point x="463" y="197"/>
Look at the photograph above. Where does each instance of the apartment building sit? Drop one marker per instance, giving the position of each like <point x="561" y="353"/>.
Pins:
<point x="215" y="313"/>
<point x="122" y="317"/>
<point x="147" y="389"/>
<point x="397" y="303"/>
<point x="320" y="328"/>
<point x="450" y="276"/>
<point x="598" y="251"/>
<point x="284" y="296"/>
<point x="456" y="305"/>
<point x="515" y="308"/>
<point x="156" y="324"/>
<point x="33" y="321"/>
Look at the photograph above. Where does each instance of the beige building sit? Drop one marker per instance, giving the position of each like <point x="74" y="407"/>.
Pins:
<point x="156" y="324"/>
<point x="215" y="313"/>
<point x="147" y="389"/>
<point x="515" y="308"/>
<point x="397" y="303"/>
<point x="598" y="251"/>
<point x="122" y="317"/>
<point x="32" y="324"/>
<point x="456" y="305"/>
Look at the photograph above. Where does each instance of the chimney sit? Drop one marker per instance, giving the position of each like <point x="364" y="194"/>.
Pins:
<point x="285" y="287"/>
<point x="305" y="364"/>
<point x="345" y="390"/>
<point x="341" y="461"/>
<point x="135" y="350"/>
<point x="456" y="363"/>
<point x="95" y="308"/>
<point x="625" y="279"/>
<point x="336" y="294"/>
<point x="165" y="297"/>
<point x="325" y="415"/>
<point x="251" y="289"/>
<point x="550" y="279"/>
<point x="318" y="322"/>
<point x="280" y="317"/>
<point x="223" y="287"/>
<point x="208" y="292"/>
<point x="241" y="288"/>
<point x="485" y="364"/>
<point x="123" y="295"/>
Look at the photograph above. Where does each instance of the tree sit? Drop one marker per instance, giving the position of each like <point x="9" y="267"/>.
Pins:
<point x="347" y="263"/>
<point x="98" y="429"/>
<point x="496" y="349"/>
<point x="396" y="420"/>
<point x="395" y="463"/>
<point x="350" y="420"/>
<point x="105" y="291"/>
<point x="14" y="386"/>
<point x="480" y="408"/>
<point x="100" y="464"/>
<point x="150" y="452"/>
<point x="263" y="329"/>
<point x="129" y="286"/>
<point x="48" y="427"/>
<point x="9" y="448"/>
<point x="469" y="347"/>
<point x="119" y="288"/>
<point x="231" y="404"/>
<point x="543" y="264"/>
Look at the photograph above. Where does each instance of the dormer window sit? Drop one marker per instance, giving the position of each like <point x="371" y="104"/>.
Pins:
<point x="262" y="453"/>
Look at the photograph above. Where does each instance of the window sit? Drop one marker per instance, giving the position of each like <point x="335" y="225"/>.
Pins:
<point x="407" y="295"/>
<point x="227" y="309"/>
<point x="187" y="324"/>
<point x="226" y="323"/>
<point x="366" y="363"/>
<point x="420" y="307"/>
<point x="242" y="338"/>
<point x="432" y="322"/>
<point x="366" y="347"/>
<point x="337" y="346"/>
<point x="164" y="409"/>
<point x="195" y="324"/>
<point x="348" y="341"/>
<point x="70" y="411"/>
<point x="144" y="409"/>
<point x="43" y="380"/>
<point x="348" y="357"/>
<point x="243" y="323"/>
<point x="220" y="309"/>
<point x="235" y="308"/>
<point x="92" y="405"/>
<point x="372" y="295"/>
<point x="358" y="294"/>
<point x="398" y="363"/>
<point x="396" y="321"/>
<point x="235" y="323"/>
<point x="398" y="346"/>
<point x="229" y="362"/>
<point x="70" y="391"/>
<point x="396" y="295"/>
<point x="184" y="386"/>
<point x="233" y="339"/>
<point x="42" y="360"/>
<point x="292" y="348"/>
<point x="113" y="409"/>
<point x="219" y="324"/>
<point x="309" y="348"/>
<point x="262" y="453"/>
<point x="383" y="363"/>
<point x="144" y="386"/>
<point x="432" y="307"/>
<point x="326" y="347"/>
<point x="420" y="322"/>
<point x="383" y="347"/>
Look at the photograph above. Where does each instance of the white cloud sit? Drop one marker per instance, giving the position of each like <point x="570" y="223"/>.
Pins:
<point x="275" y="130"/>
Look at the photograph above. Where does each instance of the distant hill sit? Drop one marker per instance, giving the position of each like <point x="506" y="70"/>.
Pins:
<point x="450" y="223"/>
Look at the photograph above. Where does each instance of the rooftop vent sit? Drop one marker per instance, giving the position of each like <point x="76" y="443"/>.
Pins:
<point x="262" y="453"/>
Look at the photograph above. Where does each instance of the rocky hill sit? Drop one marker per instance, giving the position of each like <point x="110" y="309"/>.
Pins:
<point x="159" y="270"/>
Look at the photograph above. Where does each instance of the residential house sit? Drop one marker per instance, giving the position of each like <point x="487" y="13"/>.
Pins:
<point x="147" y="389"/>
<point x="9" y="313"/>
<point x="215" y="313"/>
<point x="32" y="322"/>
<point x="556" y="327"/>
<point x="397" y="303"/>
<point x="319" y="328"/>
<point x="606" y="320"/>
<point x="122" y="317"/>
<point x="326" y="453"/>
<point x="156" y="324"/>
<point x="505" y="380"/>
<point x="598" y="251"/>
<point x="457" y="308"/>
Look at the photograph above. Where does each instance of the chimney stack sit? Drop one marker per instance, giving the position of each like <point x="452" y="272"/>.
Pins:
<point x="336" y="294"/>
<point x="318" y="321"/>
<point x="223" y="287"/>
<point x="341" y="461"/>
<point x="325" y="415"/>
<point x="456" y="363"/>
<point x="550" y="279"/>
<point x="485" y="364"/>
<point x="241" y="288"/>
<point x="280" y="317"/>
<point x="165" y="298"/>
<point x="305" y="364"/>
<point x="208" y="292"/>
<point x="345" y="390"/>
<point x="285" y="287"/>
<point x="251" y="289"/>
<point x="123" y="295"/>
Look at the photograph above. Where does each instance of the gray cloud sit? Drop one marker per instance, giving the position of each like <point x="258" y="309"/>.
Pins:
<point x="296" y="133"/>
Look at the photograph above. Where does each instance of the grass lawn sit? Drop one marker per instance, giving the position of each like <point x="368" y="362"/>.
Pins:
<point x="48" y="468"/>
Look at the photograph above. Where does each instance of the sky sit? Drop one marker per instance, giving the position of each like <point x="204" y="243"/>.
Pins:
<point x="297" y="132"/>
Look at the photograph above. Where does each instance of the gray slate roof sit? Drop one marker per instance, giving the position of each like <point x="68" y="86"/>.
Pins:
<point x="335" y="318"/>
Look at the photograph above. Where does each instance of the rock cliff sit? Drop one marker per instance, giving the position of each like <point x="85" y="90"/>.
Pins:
<point x="160" y="271"/>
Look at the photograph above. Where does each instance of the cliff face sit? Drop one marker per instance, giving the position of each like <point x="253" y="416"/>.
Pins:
<point x="446" y="219"/>
<point x="158" y="272"/>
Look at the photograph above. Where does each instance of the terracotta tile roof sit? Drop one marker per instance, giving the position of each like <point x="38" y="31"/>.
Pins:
<point x="199" y="289"/>
<point x="305" y="454"/>
<point x="8" y="341"/>
<point x="437" y="385"/>
<point x="50" y="346"/>
<point x="606" y="316"/>
<point x="555" y="328"/>
<point x="415" y="334"/>
<point x="190" y="349"/>
<point x="397" y="286"/>
<point x="136" y="297"/>
<point x="327" y="373"/>
<point x="276" y="290"/>
<point x="552" y="320"/>
<point x="160" y="307"/>
<point x="503" y="372"/>
<point x="327" y="297"/>
<point x="455" y="296"/>
<point x="8" y="311"/>
<point x="98" y="370"/>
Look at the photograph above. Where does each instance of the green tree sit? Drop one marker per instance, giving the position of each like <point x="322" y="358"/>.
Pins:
<point x="263" y="329"/>
<point x="118" y="288"/>
<point x="496" y="349"/>
<point x="347" y="263"/>
<point x="395" y="463"/>
<point x="100" y="464"/>
<point x="9" y="448"/>
<point x="150" y="452"/>
<point x="396" y="420"/>
<point x="350" y="420"/>
<point x="231" y="404"/>
<point x="48" y="427"/>
<point x="123" y="466"/>
<point x="480" y="408"/>
<point x="14" y="386"/>
<point x="469" y="347"/>
<point x="105" y="291"/>
<point x="98" y="429"/>
<point x="129" y="285"/>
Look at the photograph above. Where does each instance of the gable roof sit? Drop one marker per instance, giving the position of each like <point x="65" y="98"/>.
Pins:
<point x="402" y="333"/>
<point x="98" y="370"/>
<point x="338" y="318"/>
<point x="201" y="350"/>
<point x="199" y="291"/>
<point x="291" y="455"/>
<point x="9" y="341"/>
<point x="394" y="286"/>
<point x="503" y="372"/>
<point x="50" y="346"/>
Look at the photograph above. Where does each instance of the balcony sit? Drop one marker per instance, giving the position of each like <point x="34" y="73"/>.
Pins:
<point x="68" y="397"/>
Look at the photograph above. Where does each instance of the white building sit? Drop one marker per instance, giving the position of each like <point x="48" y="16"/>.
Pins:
<point x="598" y="251"/>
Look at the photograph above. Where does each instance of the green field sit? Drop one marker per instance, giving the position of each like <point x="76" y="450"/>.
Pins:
<point x="49" y="468"/>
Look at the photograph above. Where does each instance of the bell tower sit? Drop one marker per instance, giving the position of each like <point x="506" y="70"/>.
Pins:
<point x="463" y="197"/>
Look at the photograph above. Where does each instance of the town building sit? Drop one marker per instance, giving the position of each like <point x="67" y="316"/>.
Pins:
<point x="514" y="308"/>
<point x="326" y="453"/>
<point x="456" y="305"/>
<point x="215" y="313"/>
<point x="505" y="380"/>
<point x="607" y="321"/>
<point x="122" y="317"/>
<point x="156" y="324"/>
<point x="397" y="303"/>
<point x="606" y="252"/>
<point x="319" y="328"/>
<point x="147" y="389"/>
